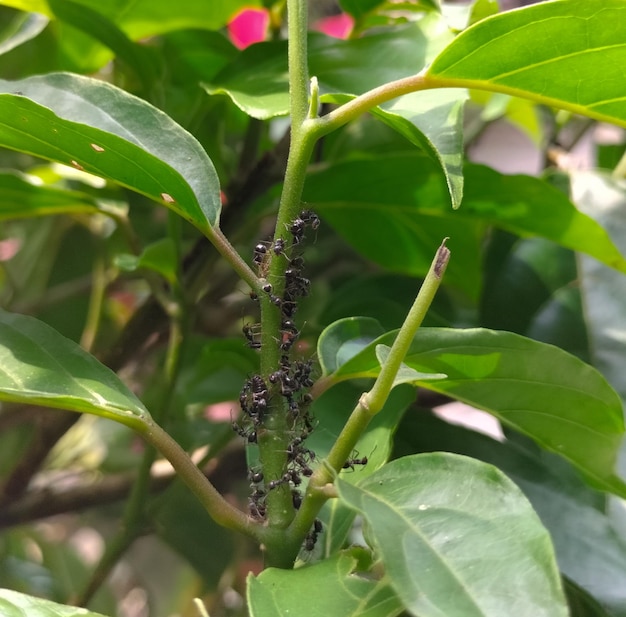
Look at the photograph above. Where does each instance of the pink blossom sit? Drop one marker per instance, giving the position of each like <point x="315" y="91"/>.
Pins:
<point x="338" y="26"/>
<point x="248" y="26"/>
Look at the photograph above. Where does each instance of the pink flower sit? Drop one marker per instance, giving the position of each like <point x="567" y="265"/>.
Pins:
<point x="248" y="26"/>
<point x="338" y="26"/>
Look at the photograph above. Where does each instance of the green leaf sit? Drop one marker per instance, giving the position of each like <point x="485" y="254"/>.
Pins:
<point x="532" y="289"/>
<point x="540" y="390"/>
<point x="589" y="549"/>
<point x="96" y="25"/>
<point x="401" y="224"/>
<point x="342" y="591"/>
<point x="24" y="27"/>
<point x="139" y="20"/>
<point x="601" y="197"/>
<point x="405" y="374"/>
<point x="358" y="8"/>
<point x="460" y="16"/>
<point x="433" y="121"/>
<point x="101" y="129"/>
<point x="257" y="83"/>
<point x="458" y="538"/>
<point x="14" y="604"/>
<point x="582" y="604"/>
<point x="41" y="367"/>
<point x="566" y="54"/>
<point x="344" y="339"/>
<point x="160" y="256"/>
<point x="20" y="197"/>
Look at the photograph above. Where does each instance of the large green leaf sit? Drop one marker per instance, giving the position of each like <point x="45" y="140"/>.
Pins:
<point x="257" y="82"/>
<point x="38" y="366"/>
<point x="458" y="538"/>
<point x="604" y="290"/>
<point x="138" y="20"/>
<point x="97" y="127"/>
<point x="588" y="547"/>
<point x="23" y="27"/>
<point x="20" y="197"/>
<point x="531" y="289"/>
<point x="15" y="604"/>
<point x="400" y="224"/>
<point x="540" y="390"/>
<point x="342" y="591"/>
<point x="567" y="53"/>
<point x="103" y="30"/>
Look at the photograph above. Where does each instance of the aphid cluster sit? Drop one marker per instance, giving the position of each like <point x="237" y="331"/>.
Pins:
<point x="291" y="380"/>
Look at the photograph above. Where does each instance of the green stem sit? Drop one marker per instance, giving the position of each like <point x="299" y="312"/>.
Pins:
<point x="363" y="103"/>
<point x="219" y="509"/>
<point x="273" y="441"/>
<point x="228" y="252"/>
<point x="369" y="404"/>
<point x="297" y="23"/>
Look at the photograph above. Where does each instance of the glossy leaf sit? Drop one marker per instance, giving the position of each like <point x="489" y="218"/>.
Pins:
<point x="41" y="367"/>
<point x="20" y="197"/>
<point x="257" y="83"/>
<point x="555" y="398"/>
<point x="344" y="339"/>
<point x="458" y="538"/>
<point x="603" y="290"/>
<point x="15" y="604"/>
<point x="405" y="373"/>
<point x="400" y="223"/>
<point x="25" y="26"/>
<point x="282" y="592"/>
<point x="566" y="54"/>
<point x="433" y="121"/>
<point x="588" y="546"/>
<point x="96" y="127"/>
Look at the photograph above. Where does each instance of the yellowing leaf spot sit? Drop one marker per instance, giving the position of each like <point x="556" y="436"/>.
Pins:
<point x="77" y="165"/>
<point x="97" y="148"/>
<point x="168" y="199"/>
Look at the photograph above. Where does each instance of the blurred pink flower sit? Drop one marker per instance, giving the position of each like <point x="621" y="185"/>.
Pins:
<point x="248" y="26"/>
<point x="338" y="26"/>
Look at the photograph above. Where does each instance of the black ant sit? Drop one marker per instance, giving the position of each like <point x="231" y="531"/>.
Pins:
<point x="255" y="476"/>
<point x="260" y="252"/>
<point x="250" y="332"/>
<point x="287" y="340"/>
<point x="310" y="218"/>
<point x="256" y="504"/>
<point x="311" y="538"/>
<point x="279" y="246"/>
<point x="351" y="462"/>
<point x="296" y="498"/>
<point x="296" y="228"/>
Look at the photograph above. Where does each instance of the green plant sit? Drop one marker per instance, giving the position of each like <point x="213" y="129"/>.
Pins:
<point x="380" y="504"/>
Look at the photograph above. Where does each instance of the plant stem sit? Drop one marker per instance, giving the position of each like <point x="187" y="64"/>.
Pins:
<point x="273" y="441"/>
<point x="297" y="23"/>
<point x="363" y="103"/>
<point x="219" y="509"/>
<point x="370" y="402"/>
<point x="228" y="252"/>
